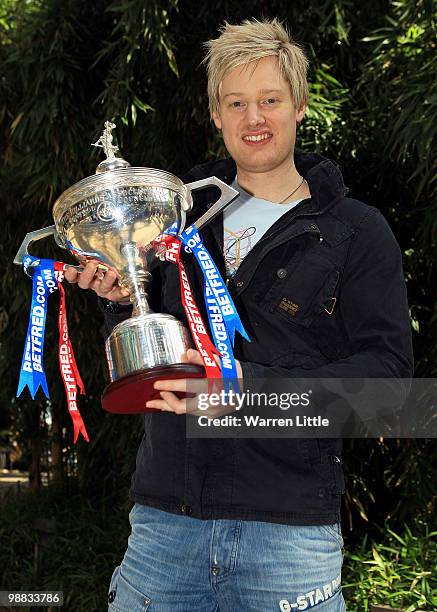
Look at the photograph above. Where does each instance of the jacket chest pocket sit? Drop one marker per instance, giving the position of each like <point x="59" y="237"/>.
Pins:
<point x="301" y="294"/>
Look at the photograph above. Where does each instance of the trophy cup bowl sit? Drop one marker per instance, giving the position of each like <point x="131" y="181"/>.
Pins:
<point x="113" y="218"/>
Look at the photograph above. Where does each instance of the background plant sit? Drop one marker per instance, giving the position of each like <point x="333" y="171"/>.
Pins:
<point x="399" y="570"/>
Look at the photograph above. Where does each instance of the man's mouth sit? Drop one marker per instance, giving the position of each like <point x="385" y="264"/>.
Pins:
<point x="255" y="138"/>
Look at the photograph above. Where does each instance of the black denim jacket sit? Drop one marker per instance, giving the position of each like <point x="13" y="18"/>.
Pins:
<point x="321" y="294"/>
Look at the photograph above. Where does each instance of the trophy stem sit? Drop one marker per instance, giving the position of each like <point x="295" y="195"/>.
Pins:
<point x="138" y="295"/>
<point x="135" y="279"/>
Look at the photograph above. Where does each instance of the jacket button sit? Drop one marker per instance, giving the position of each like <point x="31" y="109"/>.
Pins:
<point x="313" y="226"/>
<point x="186" y="510"/>
<point x="240" y="284"/>
<point x="281" y="273"/>
<point x="111" y="596"/>
<point x="215" y="570"/>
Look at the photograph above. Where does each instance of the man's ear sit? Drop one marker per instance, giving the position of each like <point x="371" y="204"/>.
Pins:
<point x="300" y="114"/>
<point x="217" y="120"/>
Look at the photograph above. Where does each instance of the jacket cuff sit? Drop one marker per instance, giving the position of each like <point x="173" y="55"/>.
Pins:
<point x="252" y="372"/>
<point x="113" y="308"/>
<point x="114" y="313"/>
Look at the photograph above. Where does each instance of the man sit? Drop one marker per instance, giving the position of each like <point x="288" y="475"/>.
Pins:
<point x="253" y="524"/>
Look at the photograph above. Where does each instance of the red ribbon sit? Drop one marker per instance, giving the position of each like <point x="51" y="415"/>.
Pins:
<point x="67" y="362"/>
<point x="200" y="336"/>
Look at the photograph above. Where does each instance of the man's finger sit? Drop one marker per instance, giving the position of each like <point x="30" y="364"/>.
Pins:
<point x="87" y="275"/>
<point x="71" y="275"/>
<point x="194" y="357"/>
<point x="168" y="403"/>
<point x="177" y="384"/>
<point x="108" y="282"/>
<point x="174" y="403"/>
<point x="158" y="404"/>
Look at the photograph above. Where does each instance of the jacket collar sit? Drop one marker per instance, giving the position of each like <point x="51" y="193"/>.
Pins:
<point x="323" y="176"/>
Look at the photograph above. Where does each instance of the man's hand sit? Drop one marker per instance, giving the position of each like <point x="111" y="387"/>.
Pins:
<point x="169" y="402"/>
<point x="105" y="284"/>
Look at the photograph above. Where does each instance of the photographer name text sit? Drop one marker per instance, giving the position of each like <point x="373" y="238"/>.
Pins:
<point x="257" y="421"/>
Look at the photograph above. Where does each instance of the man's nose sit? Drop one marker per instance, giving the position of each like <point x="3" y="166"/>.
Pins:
<point x="254" y="115"/>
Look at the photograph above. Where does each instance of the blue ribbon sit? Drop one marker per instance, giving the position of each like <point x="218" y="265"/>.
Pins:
<point x="44" y="282"/>
<point x="223" y="317"/>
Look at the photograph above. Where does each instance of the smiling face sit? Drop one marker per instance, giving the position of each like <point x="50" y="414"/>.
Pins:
<point x="257" y="116"/>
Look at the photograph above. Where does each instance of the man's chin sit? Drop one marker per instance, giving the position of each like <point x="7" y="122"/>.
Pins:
<point x="258" y="166"/>
<point x="259" y="162"/>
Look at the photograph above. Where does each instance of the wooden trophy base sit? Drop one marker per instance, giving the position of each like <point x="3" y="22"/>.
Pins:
<point x="128" y="395"/>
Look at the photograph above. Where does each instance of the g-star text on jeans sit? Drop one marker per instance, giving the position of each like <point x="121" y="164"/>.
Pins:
<point x="312" y="598"/>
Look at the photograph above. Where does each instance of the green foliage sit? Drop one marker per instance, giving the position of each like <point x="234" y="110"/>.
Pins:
<point x="323" y="118"/>
<point x="140" y="32"/>
<point x="46" y="130"/>
<point x="89" y="534"/>
<point x="387" y="480"/>
<point x="399" y="104"/>
<point x="397" y="570"/>
<point x="397" y="79"/>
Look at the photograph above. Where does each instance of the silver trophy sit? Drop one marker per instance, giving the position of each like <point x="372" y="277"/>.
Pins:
<point x="114" y="218"/>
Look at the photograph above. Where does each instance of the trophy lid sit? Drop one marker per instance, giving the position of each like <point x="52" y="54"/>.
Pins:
<point x="120" y="206"/>
<point x="106" y="142"/>
<point x="115" y="173"/>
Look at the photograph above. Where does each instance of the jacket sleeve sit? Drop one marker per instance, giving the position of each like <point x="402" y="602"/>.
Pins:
<point x="373" y="311"/>
<point x="113" y="314"/>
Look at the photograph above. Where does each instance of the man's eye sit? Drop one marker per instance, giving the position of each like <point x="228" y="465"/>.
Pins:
<point x="236" y="104"/>
<point x="270" y="100"/>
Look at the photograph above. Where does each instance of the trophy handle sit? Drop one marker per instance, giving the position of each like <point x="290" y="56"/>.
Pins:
<point x="44" y="232"/>
<point x="228" y="195"/>
<point x="32" y="237"/>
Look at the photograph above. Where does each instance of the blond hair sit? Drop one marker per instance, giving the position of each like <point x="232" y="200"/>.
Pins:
<point x="251" y="41"/>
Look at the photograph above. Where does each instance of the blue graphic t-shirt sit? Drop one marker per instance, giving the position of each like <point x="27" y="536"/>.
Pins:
<point x="245" y="221"/>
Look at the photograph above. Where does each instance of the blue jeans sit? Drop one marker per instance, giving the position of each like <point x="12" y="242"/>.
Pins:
<point x="180" y="564"/>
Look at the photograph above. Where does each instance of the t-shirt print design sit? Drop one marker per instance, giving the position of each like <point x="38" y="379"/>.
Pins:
<point x="236" y="246"/>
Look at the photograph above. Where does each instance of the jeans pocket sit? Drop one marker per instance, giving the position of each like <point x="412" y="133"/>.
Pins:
<point x="112" y="591"/>
<point x="124" y="597"/>
<point x="334" y="532"/>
